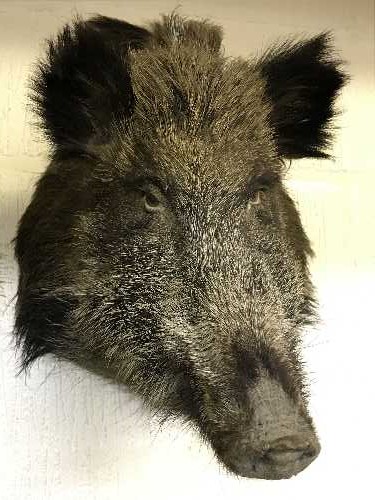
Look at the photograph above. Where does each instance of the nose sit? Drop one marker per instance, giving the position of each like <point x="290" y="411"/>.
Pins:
<point x="286" y="456"/>
<point x="281" y="459"/>
<point x="280" y="440"/>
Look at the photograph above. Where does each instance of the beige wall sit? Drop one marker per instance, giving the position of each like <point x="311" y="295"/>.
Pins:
<point x="67" y="433"/>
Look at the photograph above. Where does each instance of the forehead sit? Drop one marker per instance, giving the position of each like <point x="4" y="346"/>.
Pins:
<point x="192" y="164"/>
<point x="198" y="118"/>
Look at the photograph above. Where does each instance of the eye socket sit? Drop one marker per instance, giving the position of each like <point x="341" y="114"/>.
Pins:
<point x="151" y="202"/>
<point x="257" y="196"/>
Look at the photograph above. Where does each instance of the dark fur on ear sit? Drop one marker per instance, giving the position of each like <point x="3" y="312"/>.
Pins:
<point x="120" y="32"/>
<point x="303" y="80"/>
<point x="84" y="82"/>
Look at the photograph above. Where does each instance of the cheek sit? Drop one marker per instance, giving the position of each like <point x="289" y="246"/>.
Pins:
<point x="264" y="216"/>
<point x="268" y="213"/>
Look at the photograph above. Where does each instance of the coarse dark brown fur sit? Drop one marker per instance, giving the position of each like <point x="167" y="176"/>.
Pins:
<point x="160" y="244"/>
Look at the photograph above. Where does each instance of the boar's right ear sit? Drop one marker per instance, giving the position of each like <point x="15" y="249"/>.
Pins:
<point x="302" y="80"/>
<point x="84" y="82"/>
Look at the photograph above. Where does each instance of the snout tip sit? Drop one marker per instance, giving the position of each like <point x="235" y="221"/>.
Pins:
<point x="288" y="456"/>
<point x="282" y="459"/>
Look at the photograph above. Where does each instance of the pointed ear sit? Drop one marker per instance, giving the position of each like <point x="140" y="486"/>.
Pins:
<point x="84" y="82"/>
<point x="302" y="81"/>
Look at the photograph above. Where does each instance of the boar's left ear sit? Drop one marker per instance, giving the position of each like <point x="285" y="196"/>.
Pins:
<point x="84" y="82"/>
<point x="302" y="80"/>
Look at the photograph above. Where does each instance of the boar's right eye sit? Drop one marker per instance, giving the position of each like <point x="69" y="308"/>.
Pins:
<point x="151" y="202"/>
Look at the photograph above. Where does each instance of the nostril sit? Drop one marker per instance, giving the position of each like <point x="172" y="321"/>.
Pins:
<point x="283" y="457"/>
<point x="278" y="459"/>
<point x="288" y="450"/>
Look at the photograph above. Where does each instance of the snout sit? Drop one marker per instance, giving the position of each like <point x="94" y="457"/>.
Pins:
<point x="280" y="459"/>
<point x="277" y="441"/>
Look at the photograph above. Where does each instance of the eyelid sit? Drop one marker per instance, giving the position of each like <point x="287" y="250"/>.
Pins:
<point x="263" y="181"/>
<point x="150" y="182"/>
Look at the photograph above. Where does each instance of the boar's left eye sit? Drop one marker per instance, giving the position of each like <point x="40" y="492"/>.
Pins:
<point x="259" y="188"/>
<point x="257" y="196"/>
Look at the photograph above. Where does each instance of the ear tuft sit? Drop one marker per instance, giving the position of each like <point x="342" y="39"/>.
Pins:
<point x="84" y="82"/>
<point x="302" y="80"/>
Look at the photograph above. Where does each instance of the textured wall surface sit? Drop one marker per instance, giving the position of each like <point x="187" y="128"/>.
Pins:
<point x="65" y="433"/>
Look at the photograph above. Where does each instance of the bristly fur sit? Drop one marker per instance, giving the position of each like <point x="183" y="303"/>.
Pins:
<point x="160" y="246"/>
<point x="303" y="80"/>
<point x="177" y="30"/>
<point x="84" y="83"/>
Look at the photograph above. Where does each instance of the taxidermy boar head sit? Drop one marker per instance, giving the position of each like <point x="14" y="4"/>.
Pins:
<point x="161" y="246"/>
